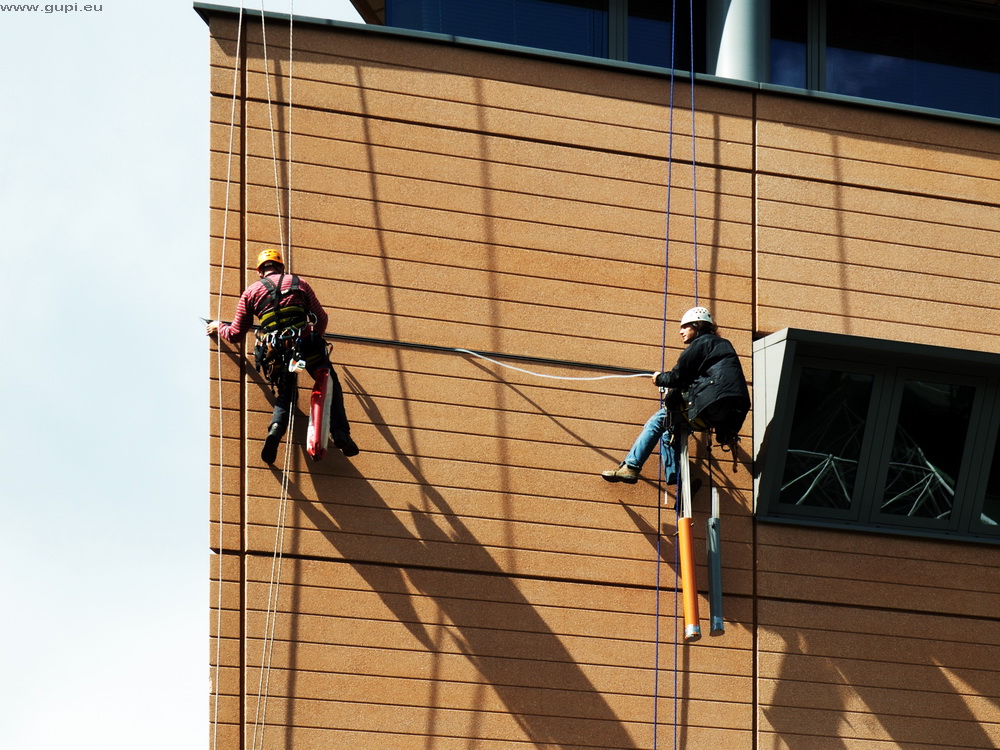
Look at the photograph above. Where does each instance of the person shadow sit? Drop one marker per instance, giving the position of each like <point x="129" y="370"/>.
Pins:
<point x="490" y="620"/>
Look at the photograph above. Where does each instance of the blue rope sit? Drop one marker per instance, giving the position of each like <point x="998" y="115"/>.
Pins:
<point x="663" y="348"/>
<point x="694" y="160"/>
<point x="663" y="356"/>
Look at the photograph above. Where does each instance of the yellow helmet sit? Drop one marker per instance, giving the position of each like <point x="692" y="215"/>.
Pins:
<point x="269" y="255"/>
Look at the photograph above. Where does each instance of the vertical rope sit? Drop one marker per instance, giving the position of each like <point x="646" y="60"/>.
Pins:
<point x="270" y="118"/>
<point x="694" y="159"/>
<point x="291" y="110"/>
<point x="218" y="375"/>
<point x="663" y="355"/>
<point x="677" y="567"/>
<point x="273" y="590"/>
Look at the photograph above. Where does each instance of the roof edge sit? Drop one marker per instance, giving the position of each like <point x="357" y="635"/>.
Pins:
<point x="207" y="10"/>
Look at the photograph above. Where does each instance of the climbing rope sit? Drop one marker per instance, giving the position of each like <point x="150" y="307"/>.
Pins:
<point x="273" y="589"/>
<point x="553" y="377"/>
<point x="218" y="375"/>
<point x="694" y="158"/>
<point x="663" y="365"/>
<point x="271" y="128"/>
<point x="288" y="135"/>
<point x="663" y="346"/>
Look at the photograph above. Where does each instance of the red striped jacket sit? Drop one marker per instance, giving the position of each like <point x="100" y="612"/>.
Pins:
<point x="254" y="300"/>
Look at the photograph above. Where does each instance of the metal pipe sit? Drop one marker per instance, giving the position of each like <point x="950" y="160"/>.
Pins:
<point x="714" y="544"/>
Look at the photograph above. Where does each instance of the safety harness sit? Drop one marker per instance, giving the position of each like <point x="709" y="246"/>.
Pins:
<point x="677" y="403"/>
<point x="285" y="323"/>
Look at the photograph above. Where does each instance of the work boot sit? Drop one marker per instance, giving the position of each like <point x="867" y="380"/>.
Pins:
<point x="624" y="473"/>
<point x="343" y="441"/>
<point x="270" y="450"/>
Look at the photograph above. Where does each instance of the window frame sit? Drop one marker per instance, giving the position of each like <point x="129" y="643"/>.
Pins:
<point x="778" y="363"/>
<point x="964" y="480"/>
<point x="853" y="512"/>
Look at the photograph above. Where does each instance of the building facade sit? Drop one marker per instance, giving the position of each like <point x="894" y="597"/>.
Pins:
<point x="468" y="581"/>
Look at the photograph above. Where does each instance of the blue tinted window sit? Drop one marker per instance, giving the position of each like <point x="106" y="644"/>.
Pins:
<point x="914" y="56"/>
<point x="650" y="30"/>
<point x="789" y="20"/>
<point x="573" y="26"/>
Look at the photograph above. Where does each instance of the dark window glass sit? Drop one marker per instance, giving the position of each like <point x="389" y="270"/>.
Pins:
<point x="914" y="56"/>
<point x="990" y="514"/>
<point x="788" y="42"/>
<point x="927" y="449"/>
<point x="573" y="26"/>
<point x="828" y="427"/>
<point x="651" y="30"/>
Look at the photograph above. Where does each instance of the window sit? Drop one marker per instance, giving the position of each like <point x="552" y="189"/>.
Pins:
<point x="638" y="31"/>
<point x="875" y="434"/>
<point x="789" y="24"/>
<point x="654" y="38"/>
<point x="924" y="54"/>
<point x="572" y="26"/>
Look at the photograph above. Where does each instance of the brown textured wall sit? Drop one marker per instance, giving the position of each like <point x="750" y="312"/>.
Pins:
<point x="468" y="580"/>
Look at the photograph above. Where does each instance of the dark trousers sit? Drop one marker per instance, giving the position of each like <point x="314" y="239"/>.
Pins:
<point x="314" y="352"/>
<point x="287" y="396"/>
<point x="726" y="415"/>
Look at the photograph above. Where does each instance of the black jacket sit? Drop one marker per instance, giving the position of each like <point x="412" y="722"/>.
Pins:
<point x="707" y="370"/>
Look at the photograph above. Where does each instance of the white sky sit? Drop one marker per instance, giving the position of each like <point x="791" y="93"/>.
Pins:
<point x="104" y="604"/>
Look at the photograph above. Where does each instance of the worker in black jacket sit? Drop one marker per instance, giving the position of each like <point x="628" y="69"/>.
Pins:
<point x="706" y="389"/>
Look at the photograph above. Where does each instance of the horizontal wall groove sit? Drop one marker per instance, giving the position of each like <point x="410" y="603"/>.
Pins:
<point x="871" y="188"/>
<point x="873" y="608"/>
<point x="665" y="159"/>
<point x="458" y="571"/>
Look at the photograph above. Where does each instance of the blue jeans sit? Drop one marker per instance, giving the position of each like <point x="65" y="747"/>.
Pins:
<point x="656" y="429"/>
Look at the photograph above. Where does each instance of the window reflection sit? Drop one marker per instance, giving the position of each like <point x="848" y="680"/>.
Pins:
<point x="788" y="43"/>
<point x="573" y="26"/>
<point x="828" y="426"/>
<point x="942" y="60"/>
<point x="927" y="449"/>
<point x="650" y="30"/>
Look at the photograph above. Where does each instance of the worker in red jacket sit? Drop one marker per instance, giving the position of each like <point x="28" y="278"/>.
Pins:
<point x="289" y="338"/>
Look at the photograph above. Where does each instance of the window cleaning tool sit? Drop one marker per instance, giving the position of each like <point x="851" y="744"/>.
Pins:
<point x="689" y="584"/>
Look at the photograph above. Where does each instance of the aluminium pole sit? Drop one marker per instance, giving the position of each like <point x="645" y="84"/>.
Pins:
<point x="714" y="544"/>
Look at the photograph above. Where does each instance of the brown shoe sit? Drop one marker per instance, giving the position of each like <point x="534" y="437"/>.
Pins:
<point x="624" y="473"/>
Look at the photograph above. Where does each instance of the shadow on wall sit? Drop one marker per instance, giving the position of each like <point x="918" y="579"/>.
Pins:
<point x="833" y="689"/>
<point x="569" y="711"/>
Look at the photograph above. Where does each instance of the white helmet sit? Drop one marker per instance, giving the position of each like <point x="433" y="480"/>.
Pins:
<point x="697" y="314"/>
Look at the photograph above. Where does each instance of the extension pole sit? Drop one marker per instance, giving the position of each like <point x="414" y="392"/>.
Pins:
<point x="689" y="584"/>
<point x="714" y="544"/>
